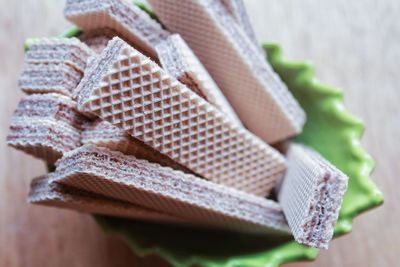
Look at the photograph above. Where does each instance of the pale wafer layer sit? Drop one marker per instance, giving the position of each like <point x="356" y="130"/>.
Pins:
<point x="69" y="51"/>
<point x="237" y="9"/>
<point x="45" y="192"/>
<point x="51" y="105"/>
<point x="132" y="92"/>
<point x="131" y="23"/>
<point x="179" y="61"/>
<point x="43" y="138"/>
<point x="46" y="78"/>
<point x="118" y="176"/>
<point x="259" y="97"/>
<point x="104" y="134"/>
<point x="311" y="196"/>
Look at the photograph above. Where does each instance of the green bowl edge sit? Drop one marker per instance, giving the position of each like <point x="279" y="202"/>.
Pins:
<point x="296" y="75"/>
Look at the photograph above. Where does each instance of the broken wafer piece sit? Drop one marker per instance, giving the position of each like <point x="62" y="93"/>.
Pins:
<point x="129" y="90"/>
<point x="49" y="78"/>
<point x="45" y="192"/>
<point x="180" y="62"/>
<point x="237" y="10"/>
<point x="104" y="134"/>
<point x="259" y="97"/>
<point x="311" y="196"/>
<point x="69" y="51"/>
<point x="132" y="24"/>
<point x="115" y="175"/>
<point x="45" y="126"/>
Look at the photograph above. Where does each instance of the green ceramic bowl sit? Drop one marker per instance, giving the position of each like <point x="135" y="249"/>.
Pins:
<point x="330" y="129"/>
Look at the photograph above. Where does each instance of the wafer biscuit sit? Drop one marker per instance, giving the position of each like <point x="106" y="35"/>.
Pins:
<point x="259" y="97"/>
<point x="311" y="196"/>
<point x="104" y="134"/>
<point x="115" y="175"/>
<point x="69" y="51"/>
<point x="180" y="62"/>
<point x="98" y="39"/>
<point x="45" y="192"/>
<point x="132" y="92"/>
<point x="45" y="126"/>
<point x="237" y="9"/>
<point x="133" y="24"/>
<point x="43" y="138"/>
<point x="47" y="78"/>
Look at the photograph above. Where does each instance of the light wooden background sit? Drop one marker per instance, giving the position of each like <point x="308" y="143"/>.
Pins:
<point x="354" y="44"/>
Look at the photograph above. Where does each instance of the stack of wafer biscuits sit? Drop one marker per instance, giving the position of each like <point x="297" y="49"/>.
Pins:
<point x="138" y="127"/>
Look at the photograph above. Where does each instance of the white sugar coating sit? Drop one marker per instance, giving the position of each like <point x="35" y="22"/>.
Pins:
<point x="150" y="185"/>
<point x="45" y="192"/>
<point x="179" y="61"/>
<point x="131" y="23"/>
<point x="69" y="51"/>
<point x="43" y="138"/>
<point x="129" y="90"/>
<point x="237" y="9"/>
<point x="259" y="97"/>
<point x="104" y="134"/>
<point x="311" y="196"/>
<point x="51" y="105"/>
<point x="46" y="78"/>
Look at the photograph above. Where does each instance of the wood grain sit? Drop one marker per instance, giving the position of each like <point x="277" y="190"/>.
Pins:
<point x="354" y="45"/>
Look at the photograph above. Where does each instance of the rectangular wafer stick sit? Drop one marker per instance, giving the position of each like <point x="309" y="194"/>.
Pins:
<point x="129" y="21"/>
<point x="49" y="78"/>
<point x="46" y="126"/>
<point x="132" y="92"/>
<point x="259" y="97"/>
<point x="104" y="134"/>
<point x="180" y="62"/>
<point x="45" y="192"/>
<point x="311" y="196"/>
<point x="115" y="175"/>
<point x="237" y="10"/>
<point x="69" y="51"/>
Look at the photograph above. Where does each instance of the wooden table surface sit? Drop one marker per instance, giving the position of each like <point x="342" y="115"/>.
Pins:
<point x="354" y="44"/>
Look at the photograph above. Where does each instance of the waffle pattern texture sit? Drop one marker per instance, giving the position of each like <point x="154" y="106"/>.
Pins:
<point x="132" y="92"/>
<point x="46" y="126"/>
<point x="311" y="196"/>
<point x="104" y="134"/>
<point x="45" y="192"/>
<point x="259" y="97"/>
<point x="128" y="20"/>
<point x="179" y="61"/>
<point x="115" y="175"/>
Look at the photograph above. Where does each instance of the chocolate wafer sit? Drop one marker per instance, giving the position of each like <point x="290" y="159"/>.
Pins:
<point x="259" y="97"/>
<point x="132" y="92"/>
<point x="115" y="175"/>
<point x="47" y="78"/>
<point x="46" y="126"/>
<point x="180" y="62"/>
<point x="132" y="24"/>
<point x="45" y="192"/>
<point x="311" y="196"/>
<point x="104" y="134"/>
<point x="69" y="51"/>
